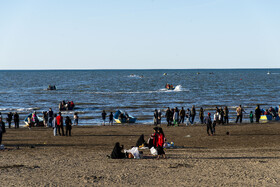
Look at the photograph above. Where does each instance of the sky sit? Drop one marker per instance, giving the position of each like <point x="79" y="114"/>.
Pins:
<point x="139" y="34"/>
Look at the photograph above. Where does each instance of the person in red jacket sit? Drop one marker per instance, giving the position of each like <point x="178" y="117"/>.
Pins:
<point x="59" y="121"/>
<point x="160" y="142"/>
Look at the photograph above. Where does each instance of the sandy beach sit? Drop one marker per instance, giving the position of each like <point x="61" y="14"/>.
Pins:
<point x="249" y="156"/>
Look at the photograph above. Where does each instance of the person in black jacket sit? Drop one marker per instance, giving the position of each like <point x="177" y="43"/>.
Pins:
<point x="258" y="113"/>
<point x="16" y="120"/>
<point x="117" y="152"/>
<point x="68" y="124"/>
<point x="9" y="119"/>
<point x="2" y="129"/>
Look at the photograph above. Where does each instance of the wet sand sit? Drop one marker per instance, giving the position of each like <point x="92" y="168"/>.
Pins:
<point x="250" y="155"/>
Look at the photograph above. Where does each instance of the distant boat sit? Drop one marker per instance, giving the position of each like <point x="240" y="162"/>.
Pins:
<point x="268" y="73"/>
<point x="165" y="74"/>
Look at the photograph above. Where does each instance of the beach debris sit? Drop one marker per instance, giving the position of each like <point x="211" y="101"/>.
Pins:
<point x="188" y="136"/>
<point x="227" y="133"/>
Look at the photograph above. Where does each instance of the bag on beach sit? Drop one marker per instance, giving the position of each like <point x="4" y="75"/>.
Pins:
<point x="153" y="151"/>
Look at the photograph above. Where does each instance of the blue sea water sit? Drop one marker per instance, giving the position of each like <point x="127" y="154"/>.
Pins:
<point x="138" y="92"/>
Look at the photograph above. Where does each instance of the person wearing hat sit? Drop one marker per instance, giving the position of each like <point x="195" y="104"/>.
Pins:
<point x="208" y="123"/>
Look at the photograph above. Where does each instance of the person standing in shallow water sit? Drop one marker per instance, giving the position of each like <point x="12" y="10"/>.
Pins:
<point x="76" y="119"/>
<point x="103" y="116"/>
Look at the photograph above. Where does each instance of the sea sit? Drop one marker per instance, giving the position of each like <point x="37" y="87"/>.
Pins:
<point x="137" y="92"/>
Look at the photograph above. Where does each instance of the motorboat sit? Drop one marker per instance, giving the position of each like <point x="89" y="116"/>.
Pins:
<point x="122" y="117"/>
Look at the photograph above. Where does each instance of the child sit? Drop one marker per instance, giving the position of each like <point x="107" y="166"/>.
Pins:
<point x="76" y="119"/>
<point x="251" y="117"/>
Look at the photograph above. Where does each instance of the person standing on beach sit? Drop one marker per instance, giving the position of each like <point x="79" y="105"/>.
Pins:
<point x="111" y="118"/>
<point x="76" y="119"/>
<point x="159" y="118"/>
<point x="167" y="115"/>
<point x="258" y="113"/>
<point x="50" y="117"/>
<point x="182" y="115"/>
<point x="188" y="117"/>
<point x="16" y="120"/>
<point x="2" y="129"/>
<point x="201" y="115"/>
<point x="193" y="113"/>
<point x="155" y="117"/>
<point x="208" y="123"/>
<point x="160" y="143"/>
<point x="176" y="116"/>
<point x="222" y="113"/>
<point x="239" y="111"/>
<point x="103" y="116"/>
<point x="59" y="121"/>
<point x="68" y="124"/>
<point x="54" y="125"/>
<point x="251" y="117"/>
<point x="226" y="111"/>
<point x="9" y="119"/>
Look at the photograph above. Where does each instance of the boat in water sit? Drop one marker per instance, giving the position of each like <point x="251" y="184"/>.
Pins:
<point x="169" y="87"/>
<point x="35" y="121"/>
<point x="51" y="87"/>
<point x="121" y="117"/>
<point x="269" y="118"/>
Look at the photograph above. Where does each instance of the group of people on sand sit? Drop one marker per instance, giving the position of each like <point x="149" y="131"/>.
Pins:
<point x="156" y="141"/>
<point x="10" y="117"/>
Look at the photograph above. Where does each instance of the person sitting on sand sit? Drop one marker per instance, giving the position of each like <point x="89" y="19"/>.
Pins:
<point x="117" y="152"/>
<point x="160" y="142"/>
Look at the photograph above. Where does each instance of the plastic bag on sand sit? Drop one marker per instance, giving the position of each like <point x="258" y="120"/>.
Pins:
<point x="134" y="151"/>
<point x="153" y="151"/>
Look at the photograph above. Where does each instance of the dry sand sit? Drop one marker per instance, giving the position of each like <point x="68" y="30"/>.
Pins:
<point x="249" y="156"/>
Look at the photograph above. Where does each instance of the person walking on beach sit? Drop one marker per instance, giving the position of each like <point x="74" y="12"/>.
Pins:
<point x="54" y="125"/>
<point x="160" y="143"/>
<point x="50" y="117"/>
<point x="76" y="119"/>
<point x="103" y="116"/>
<point x="68" y="124"/>
<point x="59" y="121"/>
<point x="155" y="117"/>
<point x="239" y="111"/>
<point x="193" y="113"/>
<point x="201" y="115"/>
<point x="168" y="115"/>
<point x="208" y="123"/>
<point x="16" y="120"/>
<point x="226" y="111"/>
<point x="9" y="119"/>
<point x="111" y="118"/>
<point x="221" y="117"/>
<point x="182" y="115"/>
<point x="258" y="113"/>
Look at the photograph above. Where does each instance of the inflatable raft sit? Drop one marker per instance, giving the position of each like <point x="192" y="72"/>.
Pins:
<point x="125" y="119"/>
<point x="268" y="118"/>
<point x="40" y="122"/>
